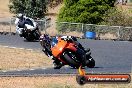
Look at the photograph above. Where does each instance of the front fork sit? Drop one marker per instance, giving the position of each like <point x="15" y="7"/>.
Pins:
<point x="83" y="55"/>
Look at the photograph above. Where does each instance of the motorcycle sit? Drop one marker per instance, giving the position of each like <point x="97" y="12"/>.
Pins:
<point x="30" y="35"/>
<point x="27" y="31"/>
<point x="69" y="53"/>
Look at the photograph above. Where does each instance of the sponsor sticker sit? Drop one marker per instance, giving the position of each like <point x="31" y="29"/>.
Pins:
<point x="84" y="78"/>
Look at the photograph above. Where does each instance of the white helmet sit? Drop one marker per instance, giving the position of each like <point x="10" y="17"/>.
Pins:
<point x="20" y="15"/>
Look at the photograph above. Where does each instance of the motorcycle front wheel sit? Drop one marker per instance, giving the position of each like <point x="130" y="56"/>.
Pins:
<point x="37" y="35"/>
<point x="29" y="38"/>
<point x="91" y="62"/>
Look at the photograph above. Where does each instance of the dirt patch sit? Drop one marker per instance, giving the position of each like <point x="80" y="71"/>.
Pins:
<point x="22" y="59"/>
<point x="52" y="82"/>
<point x="108" y="36"/>
<point x="127" y="9"/>
<point x="53" y="13"/>
<point x="4" y="9"/>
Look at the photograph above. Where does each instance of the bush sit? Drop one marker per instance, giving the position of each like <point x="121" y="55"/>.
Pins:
<point x="32" y="8"/>
<point x="84" y="11"/>
<point x="115" y="17"/>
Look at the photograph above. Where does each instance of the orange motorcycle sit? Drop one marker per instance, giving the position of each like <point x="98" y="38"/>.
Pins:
<point x="69" y="53"/>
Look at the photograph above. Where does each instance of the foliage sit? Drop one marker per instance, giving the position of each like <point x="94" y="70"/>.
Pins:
<point x="32" y="8"/>
<point x="69" y="3"/>
<point x="54" y="3"/>
<point x="116" y="17"/>
<point x="84" y="11"/>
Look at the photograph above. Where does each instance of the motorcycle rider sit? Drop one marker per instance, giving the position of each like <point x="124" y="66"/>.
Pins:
<point x="52" y="42"/>
<point x="74" y="39"/>
<point x="23" y="21"/>
<point x="45" y="41"/>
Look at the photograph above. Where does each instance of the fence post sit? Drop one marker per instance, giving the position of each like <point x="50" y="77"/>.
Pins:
<point x="45" y="26"/>
<point x="83" y="30"/>
<point x="10" y="24"/>
<point x="118" y="33"/>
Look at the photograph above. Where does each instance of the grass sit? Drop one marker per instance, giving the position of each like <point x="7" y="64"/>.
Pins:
<point x="22" y="59"/>
<point x="4" y="10"/>
<point x="125" y="8"/>
<point x="52" y="82"/>
<point x="4" y="5"/>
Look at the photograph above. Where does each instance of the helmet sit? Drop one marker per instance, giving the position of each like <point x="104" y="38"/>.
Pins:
<point x="45" y="38"/>
<point x="54" y="41"/>
<point x="20" y="15"/>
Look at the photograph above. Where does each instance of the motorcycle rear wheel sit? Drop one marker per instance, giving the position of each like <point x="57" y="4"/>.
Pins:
<point x="70" y="57"/>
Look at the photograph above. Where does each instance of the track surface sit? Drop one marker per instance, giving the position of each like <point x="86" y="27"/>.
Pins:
<point x="110" y="56"/>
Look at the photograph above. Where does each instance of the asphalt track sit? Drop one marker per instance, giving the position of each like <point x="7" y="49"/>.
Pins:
<point x="110" y="56"/>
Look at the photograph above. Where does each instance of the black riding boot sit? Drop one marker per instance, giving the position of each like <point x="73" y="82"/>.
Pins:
<point x="57" y="64"/>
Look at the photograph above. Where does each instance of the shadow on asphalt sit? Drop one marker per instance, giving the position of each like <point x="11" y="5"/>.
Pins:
<point x="31" y="41"/>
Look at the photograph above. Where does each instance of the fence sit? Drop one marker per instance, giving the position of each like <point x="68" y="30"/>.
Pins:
<point x="7" y="24"/>
<point x="76" y="29"/>
<point x="102" y="31"/>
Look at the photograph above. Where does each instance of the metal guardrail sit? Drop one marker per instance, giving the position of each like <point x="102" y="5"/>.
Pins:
<point x="7" y="24"/>
<point x="102" y="31"/>
<point x="76" y="29"/>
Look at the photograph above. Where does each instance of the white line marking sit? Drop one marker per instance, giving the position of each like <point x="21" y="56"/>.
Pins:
<point x="5" y="46"/>
<point x="17" y="48"/>
<point x="29" y="49"/>
<point x="13" y="47"/>
<point x="21" y="48"/>
<point x="19" y="70"/>
<point x="4" y="71"/>
<point x="43" y="68"/>
<point x="32" y="69"/>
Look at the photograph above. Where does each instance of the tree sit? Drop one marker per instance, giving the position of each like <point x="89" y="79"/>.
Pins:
<point x="69" y="3"/>
<point x="116" y="17"/>
<point x="84" y="11"/>
<point x="32" y="8"/>
<point x="54" y="3"/>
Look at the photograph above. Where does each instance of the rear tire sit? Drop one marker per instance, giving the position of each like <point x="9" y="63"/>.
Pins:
<point x="70" y="57"/>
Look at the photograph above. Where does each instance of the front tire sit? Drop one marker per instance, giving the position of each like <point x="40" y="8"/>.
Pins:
<point x="91" y="62"/>
<point x="37" y="35"/>
<point x="29" y="38"/>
